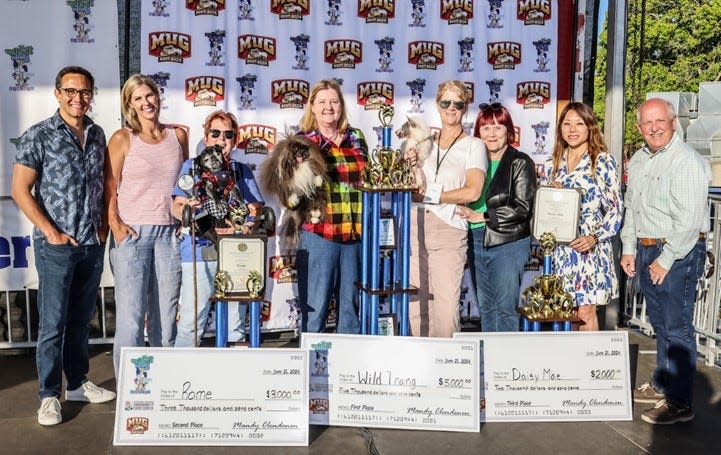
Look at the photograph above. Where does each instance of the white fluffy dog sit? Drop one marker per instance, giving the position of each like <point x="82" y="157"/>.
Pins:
<point x="416" y="146"/>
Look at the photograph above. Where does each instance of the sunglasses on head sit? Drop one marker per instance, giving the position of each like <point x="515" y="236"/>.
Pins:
<point x="492" y="106"/>
<point x="228" y="134"/>
<point x="445" y="104"/>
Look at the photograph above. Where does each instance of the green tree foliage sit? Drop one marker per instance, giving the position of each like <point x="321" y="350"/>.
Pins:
<point x="671" y="46"/>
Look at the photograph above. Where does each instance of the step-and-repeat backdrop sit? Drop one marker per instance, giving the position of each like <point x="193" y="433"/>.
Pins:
<point x="38" y="39"/>
<point x="258" y="60"/>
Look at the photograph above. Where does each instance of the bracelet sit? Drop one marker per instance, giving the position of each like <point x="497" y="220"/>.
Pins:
<point x="595" y="238"/>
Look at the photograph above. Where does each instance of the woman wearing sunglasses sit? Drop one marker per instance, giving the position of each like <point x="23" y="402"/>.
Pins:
<point x="143" y="163"/>
<point x="328" y="258"/>
<point x="454" y="174"/>
<point x="500" y="221"/>
<point x="221" y="129"/>
<point x="581" y="160"/>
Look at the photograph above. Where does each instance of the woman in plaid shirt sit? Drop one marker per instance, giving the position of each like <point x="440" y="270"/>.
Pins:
<point x="328" y="259"/>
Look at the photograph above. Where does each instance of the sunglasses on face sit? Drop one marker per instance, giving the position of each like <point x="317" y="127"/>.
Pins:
<point x="445" y="104"/>
<point x="228" y="134"/>
<point x="492" y="106"/>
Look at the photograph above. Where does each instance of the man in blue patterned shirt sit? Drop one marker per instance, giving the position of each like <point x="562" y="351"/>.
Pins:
<point x="62" y="158"/>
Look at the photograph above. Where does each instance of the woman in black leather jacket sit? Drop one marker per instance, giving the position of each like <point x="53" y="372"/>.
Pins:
<point x="499" y="221"/>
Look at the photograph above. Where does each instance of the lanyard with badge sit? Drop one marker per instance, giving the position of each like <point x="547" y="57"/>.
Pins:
<point x="433" y="191"/>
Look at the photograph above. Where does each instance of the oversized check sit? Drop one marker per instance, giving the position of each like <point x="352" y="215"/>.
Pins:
<point x="186" y="396"/>
<point x="553" y="376"/>
<point x="393" y="382"/>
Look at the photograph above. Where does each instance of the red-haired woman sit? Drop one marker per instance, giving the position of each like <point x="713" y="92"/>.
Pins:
<point x="580" y="160"/>
<point x="499" y="221"/>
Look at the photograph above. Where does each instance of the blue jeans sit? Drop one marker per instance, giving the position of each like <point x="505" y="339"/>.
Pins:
<point x="69" y="277"/>
<point x="186" y="321"/>
<point x="670" y="307"/>
<point x="497" y="275"/>
<point x="328" y="269"/>
<point x="147" y="281"/>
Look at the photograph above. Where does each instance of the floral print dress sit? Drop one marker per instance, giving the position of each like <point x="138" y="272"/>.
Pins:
<point x="590" y="277"/>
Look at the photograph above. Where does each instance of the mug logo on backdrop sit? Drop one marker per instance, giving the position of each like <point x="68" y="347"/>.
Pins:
<point x="374" y="94"/>
<point x="159" y="8"/>
<point x="169" y="46"/>
<point x="20" y="56"/>
<point x="245" y="10"/>
<point x="256" y="138"/>
<point x="495" y="14"/>
<point x="418" y="8"/>
<point x="290" y="9"/>
<point x="533" y="94"/>
<point x="534" y="12"/>
<point x="456" y="11"/>
<point x="416" y="86"/>
<point x="82" y="15"/>
<point x="161" y="79"/>
<point x="504" y="55"/>
<point x="290" y="93"/>
<point x="385" y="49"/>
<point x="343" y="53"/>
<point x="205" y="7"/>
<point x="216" y="54"/>
<point x="256" y="49"/>
<point x="376" y="11"/>
<point x="333" y="13"/>
<point x="541" y="130"/>
<point x="247" y="92"/>
<point x="465" y="54"/>
<point x="204" y="90"/>
<point x="301" y="51"/>
<point x="542" y="47"/>
<point x="426" y="55"/>
<point x="494" y="89"/>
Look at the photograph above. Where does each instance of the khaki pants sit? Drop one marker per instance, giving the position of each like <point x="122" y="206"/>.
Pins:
<point x="438" y="257"/>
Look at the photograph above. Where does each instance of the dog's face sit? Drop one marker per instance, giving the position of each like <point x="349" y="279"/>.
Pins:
<point x="211" y="159"/>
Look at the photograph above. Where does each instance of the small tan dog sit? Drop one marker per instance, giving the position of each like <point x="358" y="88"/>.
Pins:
<point x="416" y="146"/>
<point x="295" y="172"/>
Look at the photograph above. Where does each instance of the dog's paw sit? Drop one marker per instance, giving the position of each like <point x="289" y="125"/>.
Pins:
<point x="315" y="216"/>
<point x="293" y="201"/>
<point x="318" y="181"/>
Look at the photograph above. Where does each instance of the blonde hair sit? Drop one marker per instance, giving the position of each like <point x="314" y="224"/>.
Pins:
<point x="308" y="122"/>
<point x="129" y="114"/>
<point x="459" y="88"/>
<point x="224" y="116"/>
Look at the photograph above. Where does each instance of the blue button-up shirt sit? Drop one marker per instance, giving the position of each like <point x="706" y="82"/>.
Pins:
<point x="69" y="183"/>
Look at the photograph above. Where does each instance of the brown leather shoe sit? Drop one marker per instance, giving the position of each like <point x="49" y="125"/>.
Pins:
<point x="666" y="412"/>
<point x="647" y="393"/>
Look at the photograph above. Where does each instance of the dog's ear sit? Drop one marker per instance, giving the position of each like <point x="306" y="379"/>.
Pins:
<point x="412" y="123"/>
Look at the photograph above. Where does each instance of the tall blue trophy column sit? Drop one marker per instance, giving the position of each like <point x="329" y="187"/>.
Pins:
<point x="386" y="172"/>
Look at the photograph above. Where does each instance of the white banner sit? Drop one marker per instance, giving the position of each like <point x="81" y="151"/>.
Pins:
<point x="233" y="397"/>
<point x="393" y="382"/>
<point x="258" y="60"/>
<point x="553" y="376"/>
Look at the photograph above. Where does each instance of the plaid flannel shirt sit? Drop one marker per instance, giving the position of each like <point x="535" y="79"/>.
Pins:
<point x="342" y="221"/>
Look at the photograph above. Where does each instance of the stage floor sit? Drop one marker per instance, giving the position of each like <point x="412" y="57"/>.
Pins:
<point x="87" y="428"/>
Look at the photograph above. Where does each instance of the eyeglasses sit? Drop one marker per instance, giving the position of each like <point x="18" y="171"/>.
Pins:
<point x="445" y="104"/>
<point x="71" y="92"/>
<point x="492" y="106"/>
<point x="228" y="134"/>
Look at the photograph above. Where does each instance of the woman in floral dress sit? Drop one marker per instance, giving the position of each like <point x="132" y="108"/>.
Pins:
<point x="580" y="160"/>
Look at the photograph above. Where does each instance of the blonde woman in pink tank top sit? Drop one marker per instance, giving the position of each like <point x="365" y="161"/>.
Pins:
<point x="143" y="163"/>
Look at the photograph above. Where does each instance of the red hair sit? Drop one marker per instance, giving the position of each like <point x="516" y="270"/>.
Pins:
<point x="495" y="114"/>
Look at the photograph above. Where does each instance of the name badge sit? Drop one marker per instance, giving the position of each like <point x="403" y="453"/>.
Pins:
<point x="433" y="193"/>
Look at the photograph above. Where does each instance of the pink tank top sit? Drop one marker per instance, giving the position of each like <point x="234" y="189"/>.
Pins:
<point x="147" y="180"/>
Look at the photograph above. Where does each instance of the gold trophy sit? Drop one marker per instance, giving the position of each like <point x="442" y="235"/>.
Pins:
<point x="386" y="169"/>
<point x="546" y="299"/>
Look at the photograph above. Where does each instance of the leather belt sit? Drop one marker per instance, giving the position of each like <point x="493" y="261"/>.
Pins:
<point x="653" y="242"/>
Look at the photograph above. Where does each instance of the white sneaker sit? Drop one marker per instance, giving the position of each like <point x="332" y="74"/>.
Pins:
<point x="89" y="392"/>
<point x="49" y="412"/>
